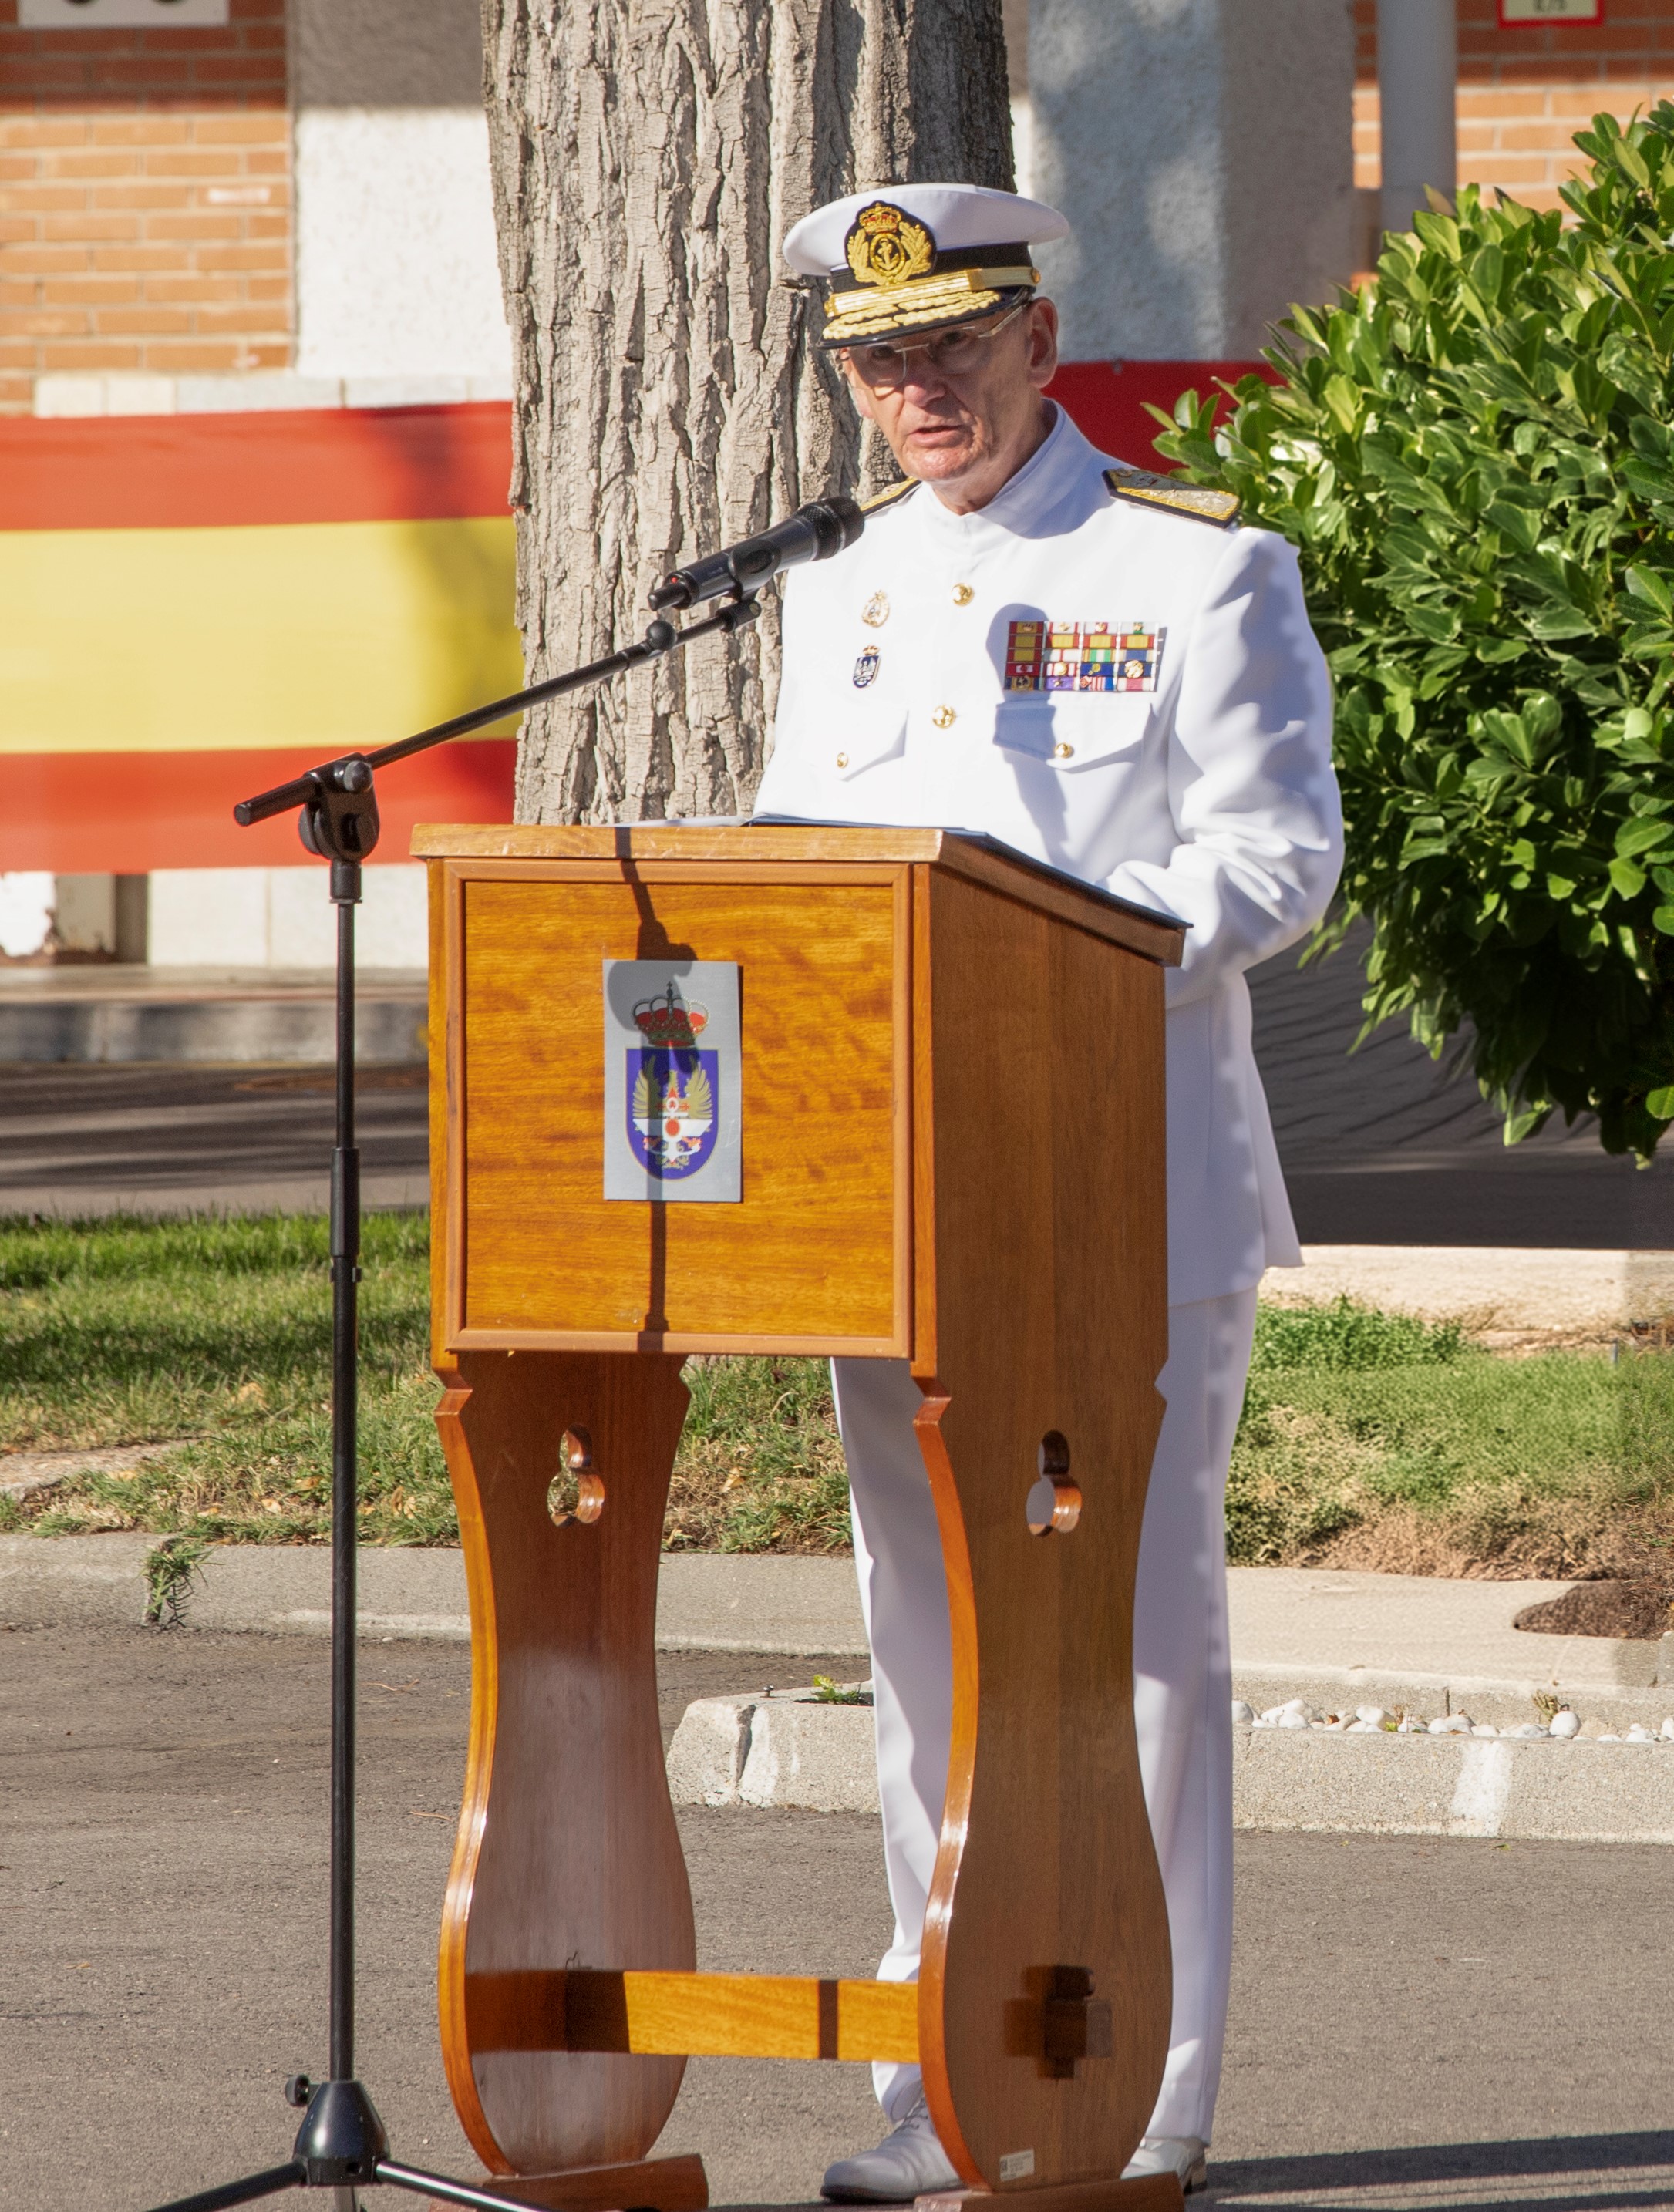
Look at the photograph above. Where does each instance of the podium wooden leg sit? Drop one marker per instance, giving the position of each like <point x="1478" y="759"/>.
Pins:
<point x="568" y="1854"/>
<point x="1045" y="1989"/>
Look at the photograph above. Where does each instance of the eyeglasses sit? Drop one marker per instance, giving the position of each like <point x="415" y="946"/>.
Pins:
<point x="949" y="353"/>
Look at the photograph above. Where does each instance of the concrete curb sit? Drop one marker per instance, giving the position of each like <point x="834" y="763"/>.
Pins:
<point x="1450" y="1785"/>
<point x="787" y="1752"/>
<point x="718" y="1601"/>
<point x="706" y="1601"/>
<point x="779" y="1750"/>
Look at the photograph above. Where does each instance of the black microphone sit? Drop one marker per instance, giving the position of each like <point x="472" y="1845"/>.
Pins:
<point x="814" y="532"/>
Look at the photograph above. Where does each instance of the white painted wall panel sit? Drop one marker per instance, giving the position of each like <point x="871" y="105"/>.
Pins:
<point x="396" y="268"/>
<point x="1202" y="149"/>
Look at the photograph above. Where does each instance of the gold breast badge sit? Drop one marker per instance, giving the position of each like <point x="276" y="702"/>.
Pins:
<point x="875" y="613"/>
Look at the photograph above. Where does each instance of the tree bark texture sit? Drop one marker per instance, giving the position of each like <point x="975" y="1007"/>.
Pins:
<point x="650" y="156"/>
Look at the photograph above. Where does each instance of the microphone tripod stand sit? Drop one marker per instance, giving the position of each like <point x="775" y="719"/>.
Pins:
<point x="342" y="2144"/>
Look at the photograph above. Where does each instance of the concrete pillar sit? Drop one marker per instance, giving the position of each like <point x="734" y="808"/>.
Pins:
<point x="282" y="918"/>
<point x="396" y="270"/>
<point x="1418" y="70"/>
<point x="84" y="917"/>
<point x="1203" y="150"/>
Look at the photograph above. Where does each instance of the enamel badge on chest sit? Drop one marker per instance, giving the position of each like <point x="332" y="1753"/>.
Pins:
<point x="867" y="667"/>
<point x="875" y="612"/>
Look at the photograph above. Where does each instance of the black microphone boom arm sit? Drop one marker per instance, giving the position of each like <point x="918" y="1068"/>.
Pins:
<point x="814" y="532"/>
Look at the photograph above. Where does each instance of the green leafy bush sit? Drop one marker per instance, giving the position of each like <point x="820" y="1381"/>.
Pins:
<point x="1474" y="456"/>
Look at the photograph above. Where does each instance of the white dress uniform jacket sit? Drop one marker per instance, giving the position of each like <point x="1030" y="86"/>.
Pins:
<point x="1206" y="791"/>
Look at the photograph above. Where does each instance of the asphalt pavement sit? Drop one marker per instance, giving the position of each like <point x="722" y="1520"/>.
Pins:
<point x="1384" y="1145"/>
<point x="1416" y="2022"/>
<point x="84" y="1137"/>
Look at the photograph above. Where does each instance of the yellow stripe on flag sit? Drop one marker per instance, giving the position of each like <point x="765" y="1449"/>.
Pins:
<point x="326" y="635"/>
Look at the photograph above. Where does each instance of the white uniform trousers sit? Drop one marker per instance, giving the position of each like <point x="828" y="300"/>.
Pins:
<point x="1182" y="1673"/>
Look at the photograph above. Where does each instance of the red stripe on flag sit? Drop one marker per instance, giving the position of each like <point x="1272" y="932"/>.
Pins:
<point x="316" y="464"/>
<point x="127" y="813"/>
<point x="1107" y="399"/>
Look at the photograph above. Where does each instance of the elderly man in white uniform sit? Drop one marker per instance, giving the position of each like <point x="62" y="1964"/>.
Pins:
<point x="1099" y="668"/>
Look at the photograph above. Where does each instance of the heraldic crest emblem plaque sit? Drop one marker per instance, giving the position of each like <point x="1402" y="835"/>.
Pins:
<point x="672" y="1073"/>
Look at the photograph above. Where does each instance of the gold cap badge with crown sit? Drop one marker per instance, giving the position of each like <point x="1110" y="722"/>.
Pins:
<point x="885" y="247"/>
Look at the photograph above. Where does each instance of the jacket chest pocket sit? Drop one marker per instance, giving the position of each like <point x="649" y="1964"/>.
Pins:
<point x="1072" y="730"/>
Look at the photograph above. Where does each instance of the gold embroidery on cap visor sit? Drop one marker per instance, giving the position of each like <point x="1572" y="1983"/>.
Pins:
<point x="852" y="317"/>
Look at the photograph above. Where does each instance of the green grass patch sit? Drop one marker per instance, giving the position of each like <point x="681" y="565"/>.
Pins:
<point x="1379" y="1439"/>
<point x="218" y="1332"/>
<point x="1368" y="1438"/>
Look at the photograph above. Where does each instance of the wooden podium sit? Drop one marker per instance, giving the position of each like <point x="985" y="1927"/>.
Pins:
<point x="951" y="1153"/>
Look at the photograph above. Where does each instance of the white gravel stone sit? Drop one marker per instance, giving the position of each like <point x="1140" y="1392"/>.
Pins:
<point x="1453" y="1724"/>
<point x="1289" y="1720"/>
<point x="1639" y="1733"/>
<point x="1528" y="1732"/>
<point x="1485" y="1728"/>
<point x="1373" y="1714"/>
<point x="1566" y="1724"/>
<point x="1608" y="1736"/>
<point x="1668" y="1730"/>
<point x="1242" y="1716"/>
<point x="1364" y="1727"/>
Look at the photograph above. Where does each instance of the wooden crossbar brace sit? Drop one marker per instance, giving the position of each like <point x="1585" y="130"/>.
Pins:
<point x="691" y="2016"/>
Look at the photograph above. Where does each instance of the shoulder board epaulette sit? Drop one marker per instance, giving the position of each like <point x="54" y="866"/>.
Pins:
<point x="1219" y="507"/>
<point x="888" y="497"/>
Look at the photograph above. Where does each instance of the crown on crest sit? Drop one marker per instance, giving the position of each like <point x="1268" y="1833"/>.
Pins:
<point x="669" y="1023"/>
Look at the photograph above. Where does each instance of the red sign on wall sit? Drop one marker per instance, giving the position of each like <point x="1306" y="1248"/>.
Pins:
<point x="1531" y="14"/>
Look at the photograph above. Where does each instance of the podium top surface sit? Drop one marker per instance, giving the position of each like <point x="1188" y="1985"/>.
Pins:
<point x="978" y="858"/>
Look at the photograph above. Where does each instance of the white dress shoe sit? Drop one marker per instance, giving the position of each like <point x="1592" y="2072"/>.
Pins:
<point x="1186" y="2157"/>
<point x="908" y="2163"/>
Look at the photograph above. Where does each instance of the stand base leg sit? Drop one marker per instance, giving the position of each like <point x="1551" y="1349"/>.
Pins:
<point x="1148" y="2192"/>
<point x="276" y="2179"/>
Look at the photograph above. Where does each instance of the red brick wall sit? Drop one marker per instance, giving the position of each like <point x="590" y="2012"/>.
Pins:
<point x="1524" y="94"/>
<point x="145" y="199"/>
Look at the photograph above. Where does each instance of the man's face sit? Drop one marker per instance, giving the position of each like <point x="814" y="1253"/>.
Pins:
<point x="956" y="412"/>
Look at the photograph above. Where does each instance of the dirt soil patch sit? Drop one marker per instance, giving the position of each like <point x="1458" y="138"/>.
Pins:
<point x="1636" y="1611"/>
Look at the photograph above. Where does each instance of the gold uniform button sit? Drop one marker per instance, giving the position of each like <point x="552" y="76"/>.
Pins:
<point x="944" y="718"/>
<point x="1061" y="752"/>
<point x="842" y="760"/>
<point x="963" y="595"/>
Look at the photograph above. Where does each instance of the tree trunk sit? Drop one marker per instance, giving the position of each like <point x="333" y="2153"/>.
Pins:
<point x="650" y="156"/>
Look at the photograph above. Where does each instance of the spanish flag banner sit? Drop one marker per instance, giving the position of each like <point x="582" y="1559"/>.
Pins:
<point x="195" y="607"/>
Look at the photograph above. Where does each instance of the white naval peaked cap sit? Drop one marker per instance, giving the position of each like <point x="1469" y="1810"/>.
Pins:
<point x="906" y="258"/>
<point x="957" y="217"/>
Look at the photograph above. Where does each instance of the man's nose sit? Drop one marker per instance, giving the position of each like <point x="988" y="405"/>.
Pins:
<point x="921" y="382"/>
